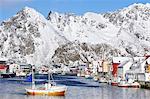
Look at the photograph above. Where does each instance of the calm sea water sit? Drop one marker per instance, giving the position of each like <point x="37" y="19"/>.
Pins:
<point x="78" y="88"/>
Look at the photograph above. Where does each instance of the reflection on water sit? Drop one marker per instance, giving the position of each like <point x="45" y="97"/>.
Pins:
<point x="44" y="97"/>
<point x="15" y="90"/>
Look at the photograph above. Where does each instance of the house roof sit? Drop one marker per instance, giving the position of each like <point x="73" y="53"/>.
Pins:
<point x="148" y="60"/>
<point x="3" y="59"/>
<point x="123" y="63"/>
<point x="120" y="59"/>
<point x="135" y="71"/>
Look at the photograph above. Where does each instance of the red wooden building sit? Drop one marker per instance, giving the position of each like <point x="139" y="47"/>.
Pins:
<point x="3" y="67"/>
<point x="116" y="62"/>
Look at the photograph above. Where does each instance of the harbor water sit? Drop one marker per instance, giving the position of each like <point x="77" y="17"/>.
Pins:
<point x="78" y="88"/>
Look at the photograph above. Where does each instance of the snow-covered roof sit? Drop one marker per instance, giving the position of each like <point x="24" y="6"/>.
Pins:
<point x="3" y="59"/>
<point x="148" y="60"/>
<point x="135" y="71"/>
<point x="123" y="63"/>
<point x="120" y="59"/>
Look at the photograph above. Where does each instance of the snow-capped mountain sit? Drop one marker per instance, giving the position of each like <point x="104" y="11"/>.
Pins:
<point x="66" y="38"/>
<point x="126" y="29"/>
<point x="91" y="27"/>
<point x="29" y="37"/>
<point x="133" y="23"/>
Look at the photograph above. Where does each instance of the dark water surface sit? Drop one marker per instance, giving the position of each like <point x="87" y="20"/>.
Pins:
<point x="78" y="88"/>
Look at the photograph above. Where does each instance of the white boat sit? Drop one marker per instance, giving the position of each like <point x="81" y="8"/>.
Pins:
<point x="135" y="85"/>
<point x="114" y="81"/>
<point x="128" y="85"/>
<point x="48" y="89"/>
<point x="87" y="76"/>
<point x="123" y="83"/>
<point x="102" y="80"/>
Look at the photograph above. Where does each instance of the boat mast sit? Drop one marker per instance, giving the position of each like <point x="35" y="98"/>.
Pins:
<point x="33" y="81"/>
<point x="49" y="76"/>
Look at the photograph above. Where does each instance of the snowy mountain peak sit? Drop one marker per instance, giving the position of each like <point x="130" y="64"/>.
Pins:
<point x="30" y="11"/>
<point x="133" y="13"/>
<point x="94" y="17"/>
<point x="141" y="5"/>
<point x="32" y="14"/>
<point x="28" y="37"/>
<point x="138" y="8"/>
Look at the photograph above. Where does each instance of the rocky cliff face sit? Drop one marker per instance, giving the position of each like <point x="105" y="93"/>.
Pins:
<point x="76" y="52"/>
<point x="31" y="38"/>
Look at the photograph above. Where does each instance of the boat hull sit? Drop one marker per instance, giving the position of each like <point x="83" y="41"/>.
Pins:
<point x="134" y="85"/>
<point x="129" y="86"/>
<point x="114" y="83"/>
<point x="53" y="91"/>
<point x="124" y="86"/>
<point x="62" y="93"/>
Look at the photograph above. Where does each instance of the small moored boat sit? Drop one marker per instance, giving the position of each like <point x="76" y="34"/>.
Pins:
<point x="48" y="89"/>
<point x="114" y="83"/>
<point x="135" y="85"/>
<point x="129" y="85"/>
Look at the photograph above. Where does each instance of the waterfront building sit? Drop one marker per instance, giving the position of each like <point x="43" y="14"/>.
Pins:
<point x="22" y="69"/>
<point x="139" y="70"/>
<point x="13" y="68"/>
<point x="147" y="67"/>
<point x="65" y="69"/>
<point x="116" y="62"/>
<point x="43" y="69"/>
<point x="3" y="66"/>
<point x="3" y="69"/>
<point x="105" y="66"/>
<point x="95" y="67"/>
<point x="122" y="69"/>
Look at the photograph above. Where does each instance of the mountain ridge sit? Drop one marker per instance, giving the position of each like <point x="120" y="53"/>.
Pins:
<point x="29" y="37"/>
